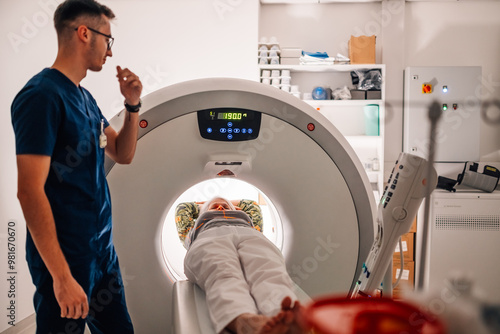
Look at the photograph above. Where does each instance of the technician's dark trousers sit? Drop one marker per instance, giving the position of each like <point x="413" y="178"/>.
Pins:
<point x="102" y="282"/>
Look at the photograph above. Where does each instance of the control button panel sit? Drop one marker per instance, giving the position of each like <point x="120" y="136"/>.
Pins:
<point x="229" y="124"/>
<point x="391" y="184"/>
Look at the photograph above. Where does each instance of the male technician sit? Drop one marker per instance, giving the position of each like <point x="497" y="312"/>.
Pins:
<point x="61" y="139"/>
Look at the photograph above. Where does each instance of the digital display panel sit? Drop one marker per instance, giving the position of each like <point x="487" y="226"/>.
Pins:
<point x="229" y="124"/>
<point x="228" y="114"/>
<point x="233" y="116"/>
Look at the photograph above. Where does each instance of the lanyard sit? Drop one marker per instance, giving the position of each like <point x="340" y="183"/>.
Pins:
<point x="103" y="140"/>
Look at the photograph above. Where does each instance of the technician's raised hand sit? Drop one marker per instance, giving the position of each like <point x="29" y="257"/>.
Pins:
<point x="121" y="145"/>
<point x="130" y="85"/>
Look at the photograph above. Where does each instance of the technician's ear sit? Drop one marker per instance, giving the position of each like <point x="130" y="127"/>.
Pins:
<point x="83" y="33"/>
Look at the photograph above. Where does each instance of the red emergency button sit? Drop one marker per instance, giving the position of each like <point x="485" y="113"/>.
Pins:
<point x="143" y="124"/>
<point x="311" y="127"/>
<point x="426" y="88"/>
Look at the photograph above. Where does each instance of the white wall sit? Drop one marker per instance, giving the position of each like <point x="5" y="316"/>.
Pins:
<point x="164" y="42"/>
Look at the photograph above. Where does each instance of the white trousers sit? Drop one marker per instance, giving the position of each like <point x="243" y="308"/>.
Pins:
<point x="240" y="270"/>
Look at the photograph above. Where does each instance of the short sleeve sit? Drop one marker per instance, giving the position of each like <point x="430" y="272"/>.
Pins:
<point x="35" y="118"/>
<point x="252" y="209"/>
<point x="185" y="216"/>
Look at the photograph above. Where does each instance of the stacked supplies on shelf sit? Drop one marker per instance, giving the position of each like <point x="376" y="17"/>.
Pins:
<point x="316" y="58"/>
<point x="280" y="79"/>
<point x="269" y="51"/>
<point x="368" y="83"/>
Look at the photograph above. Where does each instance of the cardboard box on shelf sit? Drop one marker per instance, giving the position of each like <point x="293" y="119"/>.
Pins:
<point x="401" y="293"/>
<point x="407" y="281"/>
<point x="362" y="49"/>
<point x="413" y="228"/>
<point x="373" y="94"/>
<point x="408" y="243"/>
<point x="358" y="94"/>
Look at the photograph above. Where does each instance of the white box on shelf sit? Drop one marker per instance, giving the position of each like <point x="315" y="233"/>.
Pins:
<point x="290" y="61"/>
<point x="291" y="52"/>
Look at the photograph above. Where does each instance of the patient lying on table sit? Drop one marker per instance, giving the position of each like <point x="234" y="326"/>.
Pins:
<point x="243" y="274"/>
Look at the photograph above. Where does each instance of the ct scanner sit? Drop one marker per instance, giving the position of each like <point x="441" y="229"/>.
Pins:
<point x="299" y="160"/>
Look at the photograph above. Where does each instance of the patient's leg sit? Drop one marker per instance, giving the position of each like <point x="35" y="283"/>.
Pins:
<point x="212" y="263"/>
<point x="265" y="271"/>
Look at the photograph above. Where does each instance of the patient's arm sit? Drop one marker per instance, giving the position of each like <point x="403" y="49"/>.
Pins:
<point x="253" y="210"/>
<point x="236" y="203"/>
<point x="185" y="215"/>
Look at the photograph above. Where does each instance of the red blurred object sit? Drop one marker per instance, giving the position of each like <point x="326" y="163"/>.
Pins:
<point x="311" y="127"/>
<point x="368" y="316"/>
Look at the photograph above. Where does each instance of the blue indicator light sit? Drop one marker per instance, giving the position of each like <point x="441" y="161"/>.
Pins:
<point x="209" y="130"/>
<point x="222" y="130"/>
<point x="229" y="130"/>
<point x="250" y="131"/>
<point x="236" y="130"/>
<point x="229" y="124"/>
<point x="243" y="130"/>
<point x="229" y="136"/>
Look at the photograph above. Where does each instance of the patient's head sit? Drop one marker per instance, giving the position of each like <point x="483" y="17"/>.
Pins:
<point x="217" y="203"/>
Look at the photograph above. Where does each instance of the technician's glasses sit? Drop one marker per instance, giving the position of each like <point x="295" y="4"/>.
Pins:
<point x="111" y="38"/>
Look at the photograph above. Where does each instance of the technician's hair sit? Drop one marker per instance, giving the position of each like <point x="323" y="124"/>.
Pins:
<point x="69" y="11"/>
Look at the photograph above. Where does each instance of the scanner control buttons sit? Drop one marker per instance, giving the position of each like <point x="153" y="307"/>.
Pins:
<point x="230" y="130"/>
<point x="388" y="198"/>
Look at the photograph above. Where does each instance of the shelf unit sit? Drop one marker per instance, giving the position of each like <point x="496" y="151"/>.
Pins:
<point x="347" y="115"/>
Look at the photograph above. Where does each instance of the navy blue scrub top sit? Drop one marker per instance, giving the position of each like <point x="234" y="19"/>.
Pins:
<point x="53" y="117"/>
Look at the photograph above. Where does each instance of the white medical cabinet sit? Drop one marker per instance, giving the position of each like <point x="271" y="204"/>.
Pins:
<point x="464" y="239"/>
